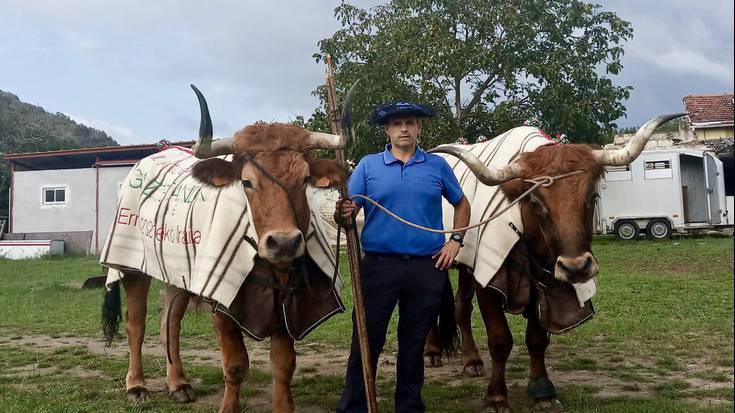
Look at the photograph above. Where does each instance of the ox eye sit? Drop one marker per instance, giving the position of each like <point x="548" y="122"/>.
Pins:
<point x="536" y="204"/>
<point x="246" y="184"/>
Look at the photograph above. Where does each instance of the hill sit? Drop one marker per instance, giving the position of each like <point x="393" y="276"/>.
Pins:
<point x="30" y="128"/>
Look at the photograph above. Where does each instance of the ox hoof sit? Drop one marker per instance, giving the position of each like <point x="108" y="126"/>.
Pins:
<point x="474" y="368"/>
<point x="137" y="394"/>
<point x="552" y="405"/>
<point x="433" y="360"/>
<point x="183" y="394"/>
<point x="501" y="407"/>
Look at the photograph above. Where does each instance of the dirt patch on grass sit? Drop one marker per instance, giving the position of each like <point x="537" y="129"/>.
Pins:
<point x="609" y="379"/>
<point x="28" y="370"/>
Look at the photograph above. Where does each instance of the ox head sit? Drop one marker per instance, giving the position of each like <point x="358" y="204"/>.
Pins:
<point x="557" y="220"/>
<point x="273" y="164"/>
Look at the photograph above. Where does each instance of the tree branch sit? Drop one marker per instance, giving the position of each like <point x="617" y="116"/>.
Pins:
<point x="458" y="104"/>
<point x="489" y="81"/>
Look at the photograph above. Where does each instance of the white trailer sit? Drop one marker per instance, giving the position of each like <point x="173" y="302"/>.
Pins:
<point x="660" y="192"/>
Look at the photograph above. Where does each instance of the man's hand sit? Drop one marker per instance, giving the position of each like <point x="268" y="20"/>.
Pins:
<point x="445" y="257"/>
<point x="343" y="210"/>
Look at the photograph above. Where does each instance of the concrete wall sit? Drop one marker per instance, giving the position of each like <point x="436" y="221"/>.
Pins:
<point x="705" y="134"/>
<point x="110" y="178"/>
<point x="74" y="241"/>
<point x="78" y="213"/>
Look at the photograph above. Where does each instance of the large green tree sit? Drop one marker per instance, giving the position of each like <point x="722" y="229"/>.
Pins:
<point x="485" y="66"/>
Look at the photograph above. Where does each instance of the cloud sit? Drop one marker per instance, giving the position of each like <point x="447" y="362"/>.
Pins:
<point x="131" y="62"/>
<point x="693" y="46"/>
<point x="123" y="135"/>
<point x="691" y="62"/>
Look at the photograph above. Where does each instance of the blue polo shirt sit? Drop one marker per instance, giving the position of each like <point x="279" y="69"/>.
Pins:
<point x="413" y="191"/>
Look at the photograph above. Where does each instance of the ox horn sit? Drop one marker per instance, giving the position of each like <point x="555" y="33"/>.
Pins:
<point x="330" y="141"/>
<point x="626" y="155"/>
<point x="204" y="147"/>
<point x="487" y="175"/>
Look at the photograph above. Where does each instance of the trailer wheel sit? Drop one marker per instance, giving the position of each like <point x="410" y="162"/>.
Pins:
<point x="658" y="229"/>
<point x="626" y="230"/>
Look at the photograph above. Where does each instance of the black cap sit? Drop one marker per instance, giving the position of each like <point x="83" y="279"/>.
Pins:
<point x="383" y="113"/>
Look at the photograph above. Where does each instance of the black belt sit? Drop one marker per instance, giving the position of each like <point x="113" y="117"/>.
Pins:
<point x="396" y="256"/>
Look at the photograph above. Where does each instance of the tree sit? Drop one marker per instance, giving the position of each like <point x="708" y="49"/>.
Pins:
<point x="485" y="66"/>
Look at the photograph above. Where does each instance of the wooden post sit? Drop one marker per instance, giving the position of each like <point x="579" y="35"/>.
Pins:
<point x="353" y="252"/>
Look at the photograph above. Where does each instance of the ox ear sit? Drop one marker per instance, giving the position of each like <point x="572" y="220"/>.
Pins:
<point x="325" y="173"/>
<point x="217" y="172"/>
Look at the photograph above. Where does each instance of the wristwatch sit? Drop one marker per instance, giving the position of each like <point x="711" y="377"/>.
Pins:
<point x="457" y="237"/>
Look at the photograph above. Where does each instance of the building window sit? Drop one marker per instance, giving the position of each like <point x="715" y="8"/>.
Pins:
<point x="54" y="196"/>
<point x="658" y="165"/>
<point x="658" y="169"/>
<point x="618" y="173"/>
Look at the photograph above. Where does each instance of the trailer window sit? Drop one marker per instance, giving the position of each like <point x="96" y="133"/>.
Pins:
<point x="618" y="173"/>
<point x="658" y="169"/>
<point x="54" y="195"/>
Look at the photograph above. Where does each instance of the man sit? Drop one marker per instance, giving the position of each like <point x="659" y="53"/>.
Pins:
<point x="402" y="265"/>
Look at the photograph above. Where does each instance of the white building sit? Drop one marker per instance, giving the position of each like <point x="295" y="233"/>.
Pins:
<point x="69" y="194"/>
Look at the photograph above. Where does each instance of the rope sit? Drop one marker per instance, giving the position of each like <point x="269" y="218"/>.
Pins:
<point x="544" y="181"/>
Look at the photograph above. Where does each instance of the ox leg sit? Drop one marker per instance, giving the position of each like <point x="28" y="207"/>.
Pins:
<point x="283" y="364"/>
<point x="432" y="355"/>
<point x="540" y="388"/>
<point x="235" y="362"/>
<point x="179" y="389"/>
<point x="136" y="297"/>
<point x="471" y="360"/>
<point x="500" y="342"/>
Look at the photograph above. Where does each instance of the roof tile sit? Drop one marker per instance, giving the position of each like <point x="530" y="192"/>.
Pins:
<point x="709" y="108"/>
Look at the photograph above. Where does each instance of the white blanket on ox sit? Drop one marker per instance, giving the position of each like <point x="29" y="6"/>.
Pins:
<point x="486" y="247"/>
<point x="172" y="227"/>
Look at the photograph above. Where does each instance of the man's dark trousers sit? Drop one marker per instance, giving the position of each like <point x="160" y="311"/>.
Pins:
<point x="416" y="285"/>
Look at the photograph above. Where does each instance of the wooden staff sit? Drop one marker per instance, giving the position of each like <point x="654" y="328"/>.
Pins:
<point x="353" y="248"/>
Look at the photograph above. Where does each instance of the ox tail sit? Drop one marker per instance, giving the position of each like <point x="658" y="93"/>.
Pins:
<point x="448" y="337"/>
<point x="111" y="313"/>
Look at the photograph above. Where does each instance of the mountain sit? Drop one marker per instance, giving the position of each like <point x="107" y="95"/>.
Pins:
<point x="29" y="128"/>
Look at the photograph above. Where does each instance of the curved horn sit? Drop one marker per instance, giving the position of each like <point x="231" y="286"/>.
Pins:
<point x="330" y="141"/>
<point x="204" y="147"/>
<point x="487" y="175"/>
<point x="321" y="140"/>
<point x="626" y="155"/>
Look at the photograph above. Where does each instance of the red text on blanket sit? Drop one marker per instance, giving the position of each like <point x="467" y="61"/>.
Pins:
<point x="148" y="229"/>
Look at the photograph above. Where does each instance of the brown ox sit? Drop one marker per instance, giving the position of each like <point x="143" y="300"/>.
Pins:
<point x="556" y="239"/>
<point x="273" y="163"/>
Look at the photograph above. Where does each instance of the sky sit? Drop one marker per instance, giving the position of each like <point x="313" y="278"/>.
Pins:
<point x="125" y="67"/>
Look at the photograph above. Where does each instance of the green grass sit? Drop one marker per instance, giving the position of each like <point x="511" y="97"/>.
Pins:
<point x="661" y="341"/>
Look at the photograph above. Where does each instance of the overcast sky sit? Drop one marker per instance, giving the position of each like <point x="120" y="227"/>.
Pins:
<point x="125" y="66"/>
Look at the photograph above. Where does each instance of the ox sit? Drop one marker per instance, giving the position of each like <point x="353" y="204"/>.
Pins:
<point x="273" y="165"/>
<point x="550" y="255"/>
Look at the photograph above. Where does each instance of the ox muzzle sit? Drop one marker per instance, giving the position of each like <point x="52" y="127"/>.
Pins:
<point x="577" y="269"/>
<point x="281" y="246"/>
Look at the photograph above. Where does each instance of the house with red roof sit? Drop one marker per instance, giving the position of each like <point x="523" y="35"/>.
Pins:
<point x="710" y="117"/>
<point x="71" y="194"/>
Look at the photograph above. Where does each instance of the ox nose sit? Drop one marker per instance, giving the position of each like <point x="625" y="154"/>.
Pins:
<point x="576" y="269"/>
<point x="283" y="246"/>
